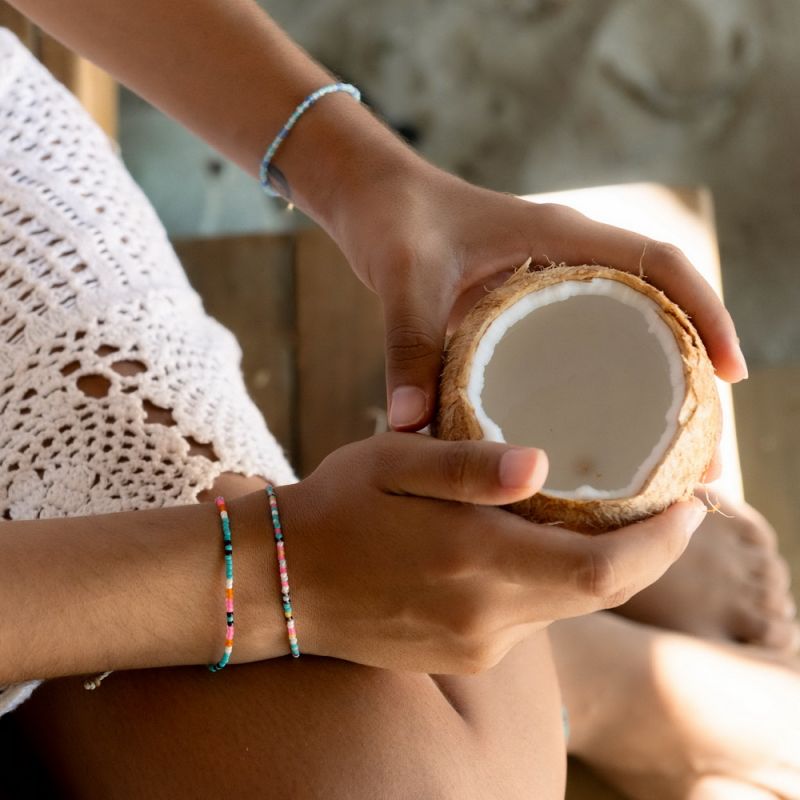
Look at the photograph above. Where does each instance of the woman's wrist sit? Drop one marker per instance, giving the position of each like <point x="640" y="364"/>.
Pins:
<point x="338" y="155"/>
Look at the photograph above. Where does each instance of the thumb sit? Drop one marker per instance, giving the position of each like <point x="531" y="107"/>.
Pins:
<point x="415" y="331"/>
<point x="484" y="473"/>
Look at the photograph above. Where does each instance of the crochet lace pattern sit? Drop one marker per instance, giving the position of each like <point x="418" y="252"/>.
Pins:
<point x="90" y="286"/>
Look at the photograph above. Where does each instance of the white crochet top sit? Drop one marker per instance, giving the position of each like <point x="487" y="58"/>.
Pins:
<point x="88" y="279"/>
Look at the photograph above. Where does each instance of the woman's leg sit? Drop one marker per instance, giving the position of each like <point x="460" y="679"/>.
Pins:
<point x="312" y="727"/>
<point x="731" y="584"/>
<point x="665" y="716"/>
<point x="320" y="728"/>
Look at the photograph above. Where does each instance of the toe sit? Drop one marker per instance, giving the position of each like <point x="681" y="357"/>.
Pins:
<point x="771" y="571"/>
<point x="780" y="635"/>
<point x="768" y="631"/>
<point x="770" y="597"/>
<point x="752" y="527"/>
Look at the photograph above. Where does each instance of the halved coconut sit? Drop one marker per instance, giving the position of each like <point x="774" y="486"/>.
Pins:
<point x="602" y="371"/>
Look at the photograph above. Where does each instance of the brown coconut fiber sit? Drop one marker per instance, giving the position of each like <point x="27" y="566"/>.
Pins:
<point x="685" y="459"/>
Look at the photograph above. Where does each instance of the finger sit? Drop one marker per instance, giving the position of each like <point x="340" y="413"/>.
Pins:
<point x="486" y="473"/>
<point x="584" y="241"/>
<point x="714" y="469"/>
<point x="415" y="323"/>
<point x="586" y="573"/>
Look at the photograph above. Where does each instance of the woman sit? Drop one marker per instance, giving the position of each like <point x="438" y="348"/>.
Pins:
<point x="122" y="396"/>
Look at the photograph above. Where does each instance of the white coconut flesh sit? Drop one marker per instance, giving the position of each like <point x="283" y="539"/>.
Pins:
<point x="588" y="371"/>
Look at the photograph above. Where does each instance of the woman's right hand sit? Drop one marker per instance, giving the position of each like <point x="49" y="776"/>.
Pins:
<point x="398" y="559"/>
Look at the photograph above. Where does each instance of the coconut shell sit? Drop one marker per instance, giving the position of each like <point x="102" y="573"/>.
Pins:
<point x="686" y="458"/>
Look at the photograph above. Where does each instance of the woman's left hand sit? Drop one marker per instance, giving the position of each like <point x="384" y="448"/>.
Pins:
<point x="430" y="245"/>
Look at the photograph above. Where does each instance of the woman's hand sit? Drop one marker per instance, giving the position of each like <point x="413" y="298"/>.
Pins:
<point x="425" y="241"/>
<point x="398" y="560"/>
<point x="430" y="244"/>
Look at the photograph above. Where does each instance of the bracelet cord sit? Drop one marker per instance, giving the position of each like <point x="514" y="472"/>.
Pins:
<point x="227" y="543"/>
<point x="280" y="550"/>
<point x="264" y="171"/>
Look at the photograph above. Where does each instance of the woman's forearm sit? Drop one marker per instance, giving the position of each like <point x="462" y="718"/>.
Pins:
<point x="135" y="589"/>
<point x="227" y="71"/>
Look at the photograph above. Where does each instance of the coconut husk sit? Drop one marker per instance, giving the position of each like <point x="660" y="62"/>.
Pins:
<point x="686" y="458"/>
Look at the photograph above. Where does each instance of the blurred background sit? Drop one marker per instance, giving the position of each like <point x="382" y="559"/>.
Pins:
<point x="522" y="96"/>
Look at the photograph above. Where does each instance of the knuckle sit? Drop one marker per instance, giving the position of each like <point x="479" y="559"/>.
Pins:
<point x="352" y="453"/>
<point x="548" y="209"/>
<point x="618" y="597"/>
<point x="457" y="465"/>
<point x="455" y="560"/>
<point x="383" y="450"/>
<point x="470" y="621"/>
<point x="408" y="340"/>
<point x="481" y="656"/>
<point x="597" y="577"/>
<point x="558" y="210"/>
<point x="404" y="253"/>
<point x="668" y="253"/>
<point x="378" y="455"/>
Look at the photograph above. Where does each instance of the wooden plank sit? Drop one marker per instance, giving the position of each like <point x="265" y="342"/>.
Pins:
<point x="341" y="394"/>
<point x="768" y="422"/>
<point x="18" y="24"/>
<point x="583" y="784"/>
<point x="246" y="282"/>
<point x="99" y="95"/>
<point x="95" y="89"/>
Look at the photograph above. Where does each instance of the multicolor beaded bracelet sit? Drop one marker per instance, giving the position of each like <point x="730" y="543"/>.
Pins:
<point x="228" y="549"/>
<point x="286" y="596"/>
<point x="264" y="175"/>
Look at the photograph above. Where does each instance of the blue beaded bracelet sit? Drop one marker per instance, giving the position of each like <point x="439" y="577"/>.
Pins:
<point x="290" y="123"/>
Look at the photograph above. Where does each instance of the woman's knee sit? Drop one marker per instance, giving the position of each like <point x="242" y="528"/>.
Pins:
<point x="315" y="728"/>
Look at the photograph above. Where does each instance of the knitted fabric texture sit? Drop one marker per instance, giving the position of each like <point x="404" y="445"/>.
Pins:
<point x="90" y="286"/>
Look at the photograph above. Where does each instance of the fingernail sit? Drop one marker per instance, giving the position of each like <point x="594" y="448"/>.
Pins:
<point x="695" y="517"/>
<point x="742" y="362"/>
<point x="408" y="406"/>
<point x="519" y="467"/>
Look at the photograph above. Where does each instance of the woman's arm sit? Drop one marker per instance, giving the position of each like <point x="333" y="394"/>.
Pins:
<point x="427" y="243"/>
<point x="225" y="70"/>
<point x="396" y="558"/>
<point x="135" y="589"/>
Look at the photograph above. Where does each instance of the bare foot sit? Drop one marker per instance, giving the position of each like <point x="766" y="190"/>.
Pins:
<point x="731" y="584"/>
<point x="664" y="716"/>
